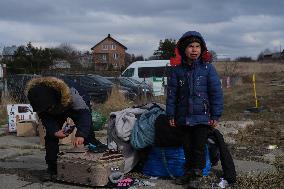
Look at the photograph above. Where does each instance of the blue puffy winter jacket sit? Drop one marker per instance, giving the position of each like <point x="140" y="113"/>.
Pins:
<point x="194" y="93"/>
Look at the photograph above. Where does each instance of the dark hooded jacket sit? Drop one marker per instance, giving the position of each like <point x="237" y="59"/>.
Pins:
<point x="194" y="94"/>
<point x="74" y="103"/>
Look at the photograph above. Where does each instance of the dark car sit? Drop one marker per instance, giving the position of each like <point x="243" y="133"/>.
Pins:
<point x="139" y="88"/>
<point x="97" y="88"/>
<point x="126" y="91"/>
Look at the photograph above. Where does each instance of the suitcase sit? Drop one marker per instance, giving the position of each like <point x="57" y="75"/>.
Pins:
<point x="88" y="168"/>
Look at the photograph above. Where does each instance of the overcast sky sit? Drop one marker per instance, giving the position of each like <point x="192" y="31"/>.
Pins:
<point x="231" y="27"/>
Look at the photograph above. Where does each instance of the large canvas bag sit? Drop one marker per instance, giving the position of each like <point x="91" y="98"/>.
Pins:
<point x="169" y="162"/>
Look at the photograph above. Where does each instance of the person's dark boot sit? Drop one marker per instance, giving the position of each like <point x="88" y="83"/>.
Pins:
<point x="50" y="174"/>
<point x="191" y="177"/>
<point x="47" y="176"/>
<point x="195" y="181"/>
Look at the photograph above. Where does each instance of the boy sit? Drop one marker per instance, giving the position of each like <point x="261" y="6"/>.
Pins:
<point x="194" y="101"/>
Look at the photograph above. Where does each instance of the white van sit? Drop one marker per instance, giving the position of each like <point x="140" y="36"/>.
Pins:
<point x="153" y="72"/>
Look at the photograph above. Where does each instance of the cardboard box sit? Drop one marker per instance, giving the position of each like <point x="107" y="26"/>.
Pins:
<point x="19" y="112"/>
<point x="26" y="128"/>
<point x="42" y="132"/>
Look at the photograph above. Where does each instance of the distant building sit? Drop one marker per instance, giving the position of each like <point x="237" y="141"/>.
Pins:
<point x="2" y="71"/>
<point x="86" y="60"/>
<point x="8" y="53"/>
<point x="109" y="53"/>
<point x="269" y="56"/>
<point x="223" y="57"/>
<point x="60" y="64"/>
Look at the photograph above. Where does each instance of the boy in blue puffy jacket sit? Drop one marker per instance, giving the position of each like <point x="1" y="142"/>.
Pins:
<point x="194" y="101"/>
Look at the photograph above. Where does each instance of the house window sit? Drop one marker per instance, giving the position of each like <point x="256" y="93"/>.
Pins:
<point x="115" y="56"/>
<point x="105" y="47"/>
<point x="104" y="57"/>
<point x="112" y="47"/>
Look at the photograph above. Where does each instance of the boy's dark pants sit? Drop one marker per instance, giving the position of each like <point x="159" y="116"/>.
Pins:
<point x="194" y="141"/>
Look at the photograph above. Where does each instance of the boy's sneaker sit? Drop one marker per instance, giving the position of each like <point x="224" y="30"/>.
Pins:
<point x="193" y="175"/>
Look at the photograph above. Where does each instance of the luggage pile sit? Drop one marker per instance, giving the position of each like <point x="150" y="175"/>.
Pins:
<point x="140" y="129"/>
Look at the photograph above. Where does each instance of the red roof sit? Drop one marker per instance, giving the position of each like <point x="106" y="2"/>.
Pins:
<point x="109" y="37"/>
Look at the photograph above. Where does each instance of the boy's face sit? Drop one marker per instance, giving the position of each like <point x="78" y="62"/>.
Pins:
<point x="193" y="51"/>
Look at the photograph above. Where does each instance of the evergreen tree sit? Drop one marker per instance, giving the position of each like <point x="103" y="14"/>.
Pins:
<point x="165" y="50"/>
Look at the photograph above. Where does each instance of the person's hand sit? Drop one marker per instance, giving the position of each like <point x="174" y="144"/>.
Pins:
<point x="172" y="122"/>
<point x="78" y="141"/>
<point x="213" y="123"/>
<point x="60" y="134"/>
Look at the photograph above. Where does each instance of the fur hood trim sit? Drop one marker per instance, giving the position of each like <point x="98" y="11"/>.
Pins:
<point x="55" y="83"/>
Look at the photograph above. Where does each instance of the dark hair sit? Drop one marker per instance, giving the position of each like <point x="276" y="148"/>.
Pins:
<point x="188" y="40"/>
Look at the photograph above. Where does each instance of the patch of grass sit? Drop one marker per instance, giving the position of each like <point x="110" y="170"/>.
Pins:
<point x="115" y="102"/>
<point x="269" y="180"/>
<point x="245" y="68"/>
<point x="6" y="99"/>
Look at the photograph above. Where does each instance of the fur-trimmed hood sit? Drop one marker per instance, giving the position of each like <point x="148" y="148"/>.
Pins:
<point x="55" y="83"/>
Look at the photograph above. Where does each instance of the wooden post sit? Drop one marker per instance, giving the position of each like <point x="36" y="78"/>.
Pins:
<point x="254" y="90"/>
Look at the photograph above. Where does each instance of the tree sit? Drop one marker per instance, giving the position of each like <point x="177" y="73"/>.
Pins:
<point x="129" y="58"/>
<point x="139" y="58"/>
<point x="30" y="59"/>
<point x="165" y="50"/>
<point x="68" y="52"/>
<point x="214" y="55"/>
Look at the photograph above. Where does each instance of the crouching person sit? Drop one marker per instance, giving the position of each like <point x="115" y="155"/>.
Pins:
<point x="55" y="100"/>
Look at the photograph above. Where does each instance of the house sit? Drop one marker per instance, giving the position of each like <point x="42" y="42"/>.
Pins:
<point x="272" y="56"/>
<point x="109" y="53"/>
<point x="60" y="64"/>
<point x="8" y="53"/>
<point x="85" y="59"/>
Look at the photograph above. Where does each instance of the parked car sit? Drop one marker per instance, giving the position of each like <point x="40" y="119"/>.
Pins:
<point x="125" y="90"/>
<point x="153" y="72"/>
<point x="96" y="88"/>
<point x="139" y="88"/>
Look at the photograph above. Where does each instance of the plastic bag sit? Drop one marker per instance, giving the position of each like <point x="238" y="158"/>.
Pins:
<point x="98" y="120"/>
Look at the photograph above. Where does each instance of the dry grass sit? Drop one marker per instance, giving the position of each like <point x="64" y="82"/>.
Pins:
<point x="115" y="102"/>
<point x="6" y="99"/>
<point x="244" y="68"/>
<point x="160" y="99"/>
